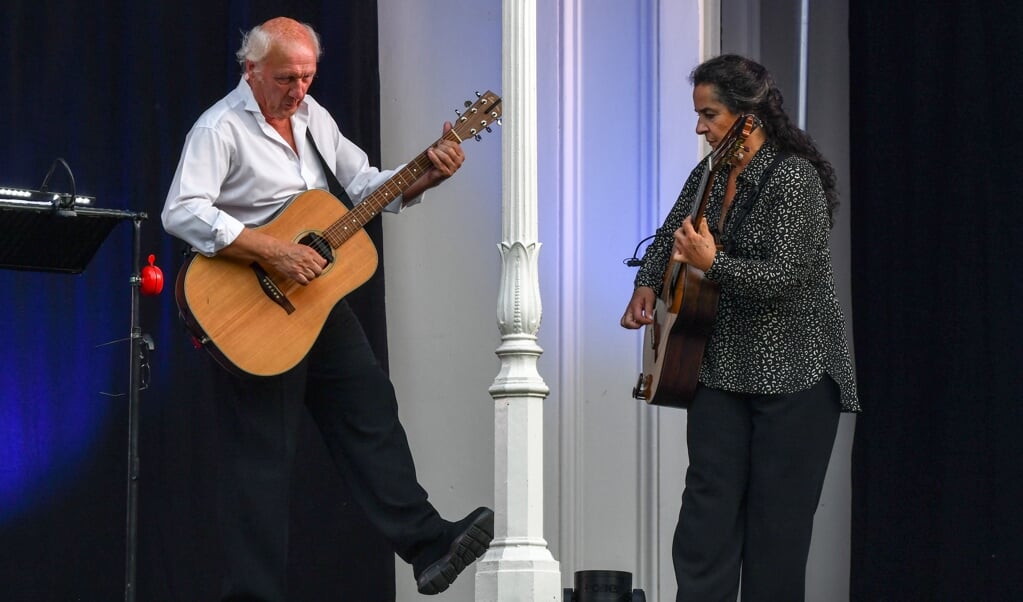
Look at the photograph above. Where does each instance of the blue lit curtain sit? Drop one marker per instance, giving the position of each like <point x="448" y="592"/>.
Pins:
<point x="937" y="236"/>
<point x="112" y="87"/>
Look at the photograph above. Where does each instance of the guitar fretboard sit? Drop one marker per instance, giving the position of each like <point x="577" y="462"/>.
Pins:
<point x="484" y="112"/>
<point x="346" y="227"/>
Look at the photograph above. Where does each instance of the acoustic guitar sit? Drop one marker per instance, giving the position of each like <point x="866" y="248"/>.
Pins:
<point x="684" y="312"/>
<point x="256" y="321"/>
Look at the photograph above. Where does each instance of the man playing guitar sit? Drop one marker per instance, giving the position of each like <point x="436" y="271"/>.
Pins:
<point x="243" y="161"/>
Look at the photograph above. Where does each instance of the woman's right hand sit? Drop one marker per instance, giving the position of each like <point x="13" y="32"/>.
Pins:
<point x="640" y="310"/>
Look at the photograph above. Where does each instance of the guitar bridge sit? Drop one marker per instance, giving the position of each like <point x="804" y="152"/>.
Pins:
<point x="270" y="289"/>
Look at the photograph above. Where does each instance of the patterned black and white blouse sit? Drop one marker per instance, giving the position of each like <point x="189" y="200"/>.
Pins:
<point x="779" y="325"/>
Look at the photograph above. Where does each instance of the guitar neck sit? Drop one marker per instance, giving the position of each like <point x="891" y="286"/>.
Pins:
<point x="706" y="183"/>
<point x="478" y="117"/>
<point x="726" y="153"/>
<point x="346" y="227"/>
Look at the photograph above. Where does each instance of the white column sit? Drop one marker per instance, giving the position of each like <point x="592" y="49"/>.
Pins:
<point x="518" y="565"/>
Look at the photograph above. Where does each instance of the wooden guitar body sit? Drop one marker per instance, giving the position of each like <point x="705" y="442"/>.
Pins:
<point x="259" y="321"/>
<point x="673" y="345"/>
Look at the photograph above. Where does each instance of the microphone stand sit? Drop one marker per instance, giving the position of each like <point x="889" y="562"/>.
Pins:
<point x="137" y="358"/>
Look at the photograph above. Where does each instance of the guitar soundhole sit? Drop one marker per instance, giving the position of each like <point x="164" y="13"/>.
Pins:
<point x="320" y="245"/>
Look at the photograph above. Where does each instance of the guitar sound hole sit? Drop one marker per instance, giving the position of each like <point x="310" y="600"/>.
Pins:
<point x="320" y="245"/>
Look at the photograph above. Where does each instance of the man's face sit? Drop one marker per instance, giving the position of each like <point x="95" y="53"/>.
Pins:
<point x="280" y="81"/>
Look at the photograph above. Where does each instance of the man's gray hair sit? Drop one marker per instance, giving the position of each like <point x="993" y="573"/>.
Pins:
<point x="257" y="41"/>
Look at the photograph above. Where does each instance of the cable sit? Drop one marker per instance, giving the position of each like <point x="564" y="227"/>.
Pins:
<point x="634" y="261"/>
<point x="64" y="204"/>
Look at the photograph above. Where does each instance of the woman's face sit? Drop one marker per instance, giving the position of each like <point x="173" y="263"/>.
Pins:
<point x="713" y="119"/>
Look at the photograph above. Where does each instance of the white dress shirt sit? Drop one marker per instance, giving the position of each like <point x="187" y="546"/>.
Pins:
<point x="236" y="170"/>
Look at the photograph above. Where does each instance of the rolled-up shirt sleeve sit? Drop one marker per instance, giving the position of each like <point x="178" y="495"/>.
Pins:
<point x="190" y="212"/>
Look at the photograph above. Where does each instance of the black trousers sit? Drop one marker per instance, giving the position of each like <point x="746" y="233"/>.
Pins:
<point x="352" y="402"/>
<point x="756" y="470"/>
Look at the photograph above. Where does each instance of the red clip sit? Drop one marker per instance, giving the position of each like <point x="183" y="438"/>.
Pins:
<point x="152" y="278"/>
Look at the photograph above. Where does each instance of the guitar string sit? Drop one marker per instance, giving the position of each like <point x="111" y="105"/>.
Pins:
<point x="343" y="229"/>
<point x="340" y="231"/>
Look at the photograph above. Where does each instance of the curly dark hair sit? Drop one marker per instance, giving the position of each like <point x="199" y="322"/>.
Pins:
<point x="745" y="86"/>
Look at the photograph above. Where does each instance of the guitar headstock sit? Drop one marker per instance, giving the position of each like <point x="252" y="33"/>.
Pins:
<point x="731" y="148"/>
<point x="478" y="117"/>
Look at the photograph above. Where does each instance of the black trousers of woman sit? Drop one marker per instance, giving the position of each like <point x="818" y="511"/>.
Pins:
<point x="756" y="470"/>
<point x="352" y="402"/>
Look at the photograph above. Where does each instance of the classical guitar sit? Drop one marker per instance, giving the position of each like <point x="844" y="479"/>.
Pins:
<point x="684" y="312"/>
<point x="254" y="320"/>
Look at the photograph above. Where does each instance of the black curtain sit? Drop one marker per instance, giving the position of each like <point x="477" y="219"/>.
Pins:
<point x="112" y="87"/>
<point x="937" y="207"/>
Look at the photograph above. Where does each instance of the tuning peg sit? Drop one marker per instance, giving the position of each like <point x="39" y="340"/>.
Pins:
<point x="467" y="104"/>
<point x="498" y="122"/>
<point x="478" y="94"/>
<point x="478" y="137"/>
<point x="489" y="131"/>
<point x="457" y="112"/>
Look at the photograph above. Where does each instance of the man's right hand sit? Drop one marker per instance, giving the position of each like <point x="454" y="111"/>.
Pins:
<point x="301" y="263"/>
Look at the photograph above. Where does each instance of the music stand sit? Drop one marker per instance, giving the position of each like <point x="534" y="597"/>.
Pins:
<point x="29" y="229"/>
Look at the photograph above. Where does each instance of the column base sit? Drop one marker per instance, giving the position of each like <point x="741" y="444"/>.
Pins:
<point x="518" y="573"/>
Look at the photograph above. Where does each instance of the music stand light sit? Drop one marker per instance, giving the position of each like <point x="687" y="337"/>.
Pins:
<point x="45" y="236"/>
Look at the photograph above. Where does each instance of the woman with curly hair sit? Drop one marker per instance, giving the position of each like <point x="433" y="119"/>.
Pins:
<point x="776" y="372"/>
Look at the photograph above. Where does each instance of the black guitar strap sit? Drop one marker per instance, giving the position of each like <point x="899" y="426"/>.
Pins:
<point x="740" y="212"/>
<point x="333" y="185"/>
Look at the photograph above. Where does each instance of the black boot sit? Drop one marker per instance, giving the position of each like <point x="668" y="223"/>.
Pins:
<point x="439" y="564"/>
